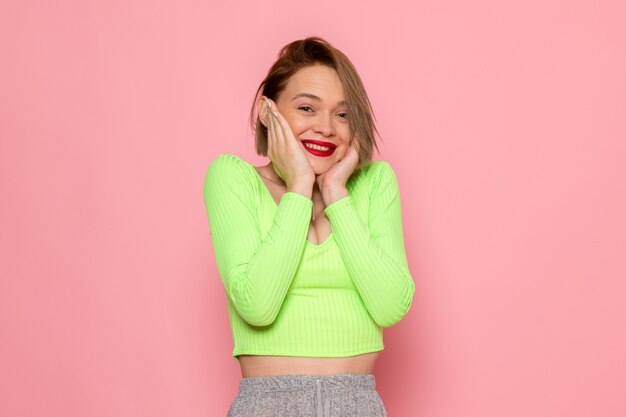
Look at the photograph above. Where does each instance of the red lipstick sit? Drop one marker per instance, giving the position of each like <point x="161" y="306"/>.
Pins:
<point x="320" y="143"/>
<point x="318" y="152"/>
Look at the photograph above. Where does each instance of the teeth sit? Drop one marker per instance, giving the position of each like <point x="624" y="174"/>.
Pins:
<point x="319" y="148"/>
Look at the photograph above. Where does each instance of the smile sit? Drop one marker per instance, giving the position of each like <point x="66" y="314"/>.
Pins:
<point x="317" y="150"/>
<point x="318" y="147"/>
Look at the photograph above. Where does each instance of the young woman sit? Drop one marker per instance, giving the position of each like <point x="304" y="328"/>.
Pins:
<point x="310" y="246"/>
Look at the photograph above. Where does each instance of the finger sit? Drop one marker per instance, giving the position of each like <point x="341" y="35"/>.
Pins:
<point x="284" y="126"/>
<point x="271" y="132"/>
<point x="275" y="115"/>
<point x="356" y="148"/>
<point x="266" y="113"/>
<point x="280" y="134"/>
<point x="271" y="135"/>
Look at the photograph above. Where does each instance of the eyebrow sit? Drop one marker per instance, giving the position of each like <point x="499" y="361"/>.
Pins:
<point x="313" y="97"/>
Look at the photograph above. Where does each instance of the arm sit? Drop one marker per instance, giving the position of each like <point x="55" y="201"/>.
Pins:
<point x="374" y="254"/>
<point x="256" y="272"/>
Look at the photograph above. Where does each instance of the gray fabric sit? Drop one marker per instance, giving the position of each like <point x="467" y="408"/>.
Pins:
<point x="340" y="395"/>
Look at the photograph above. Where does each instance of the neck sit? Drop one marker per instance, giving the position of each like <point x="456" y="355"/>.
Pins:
<point x="272" y="175"/>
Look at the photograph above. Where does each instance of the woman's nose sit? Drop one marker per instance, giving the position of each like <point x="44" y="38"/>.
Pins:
<point x="324" y="125"/>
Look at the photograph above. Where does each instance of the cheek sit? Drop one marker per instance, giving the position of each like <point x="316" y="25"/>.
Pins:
<point x="346" y="134"/>
<point x="296" y="124"/>
<point x="342" y="154"/>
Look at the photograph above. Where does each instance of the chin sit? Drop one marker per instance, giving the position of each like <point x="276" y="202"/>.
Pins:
<point x="317" y="170"/>
<point x="320" y="168"/>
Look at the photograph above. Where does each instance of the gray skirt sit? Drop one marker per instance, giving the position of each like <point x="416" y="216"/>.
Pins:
<point x="339" y="395"/>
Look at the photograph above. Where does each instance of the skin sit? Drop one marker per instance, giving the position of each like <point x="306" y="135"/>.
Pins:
<point x="323" y="179"/>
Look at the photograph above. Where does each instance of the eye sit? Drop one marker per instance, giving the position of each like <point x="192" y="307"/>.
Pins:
<point x="303" y="107"/>
<point x="343" y="114"/>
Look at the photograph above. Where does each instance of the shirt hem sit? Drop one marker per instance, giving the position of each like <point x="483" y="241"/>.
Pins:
<point x="379" y="348"/>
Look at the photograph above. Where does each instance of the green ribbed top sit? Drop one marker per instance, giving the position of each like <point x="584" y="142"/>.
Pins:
<point x="287" y="296"/>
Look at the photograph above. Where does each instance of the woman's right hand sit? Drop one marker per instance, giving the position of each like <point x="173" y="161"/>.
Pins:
<point x="287" y="156"/>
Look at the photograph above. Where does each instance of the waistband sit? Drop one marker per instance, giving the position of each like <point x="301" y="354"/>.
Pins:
<point x="293" y="382"/>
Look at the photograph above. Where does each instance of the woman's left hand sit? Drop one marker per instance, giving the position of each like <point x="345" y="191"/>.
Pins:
<point x="332" y="183"/>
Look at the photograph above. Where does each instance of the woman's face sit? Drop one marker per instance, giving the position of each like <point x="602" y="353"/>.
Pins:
<point x="313" y="105"/>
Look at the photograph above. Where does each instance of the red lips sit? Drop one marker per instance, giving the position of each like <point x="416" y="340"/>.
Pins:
<point x="320" y="143"/>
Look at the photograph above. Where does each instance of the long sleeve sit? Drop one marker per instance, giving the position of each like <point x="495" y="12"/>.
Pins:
<point x="374" y="254"/>
<point x="256" y="271"/>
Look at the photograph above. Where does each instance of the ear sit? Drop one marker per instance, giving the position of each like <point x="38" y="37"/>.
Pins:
<point x="261" y="111"/>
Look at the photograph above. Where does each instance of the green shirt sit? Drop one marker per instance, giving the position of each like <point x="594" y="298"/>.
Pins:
<point x="287" y="296"/>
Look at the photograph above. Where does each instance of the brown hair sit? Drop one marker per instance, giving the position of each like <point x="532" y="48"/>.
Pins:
<point x="310" y="51"/>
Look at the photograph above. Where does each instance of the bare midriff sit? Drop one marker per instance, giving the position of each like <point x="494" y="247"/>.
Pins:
<point x="257" y="365"/>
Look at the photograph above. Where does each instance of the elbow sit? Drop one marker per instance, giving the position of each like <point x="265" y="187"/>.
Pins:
<point x="389" y="320"/>
<point x="389" y="317"/>
<point x="255" y="313"/>
<point x="258" y="320"/>
<point x="251" y="306"/>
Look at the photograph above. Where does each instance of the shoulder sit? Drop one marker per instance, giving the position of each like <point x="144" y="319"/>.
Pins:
<point x="228" y="172"/>
<point x="227" y="161"/>
<point x="378" y="175"/>
<point x="226" y="166"/>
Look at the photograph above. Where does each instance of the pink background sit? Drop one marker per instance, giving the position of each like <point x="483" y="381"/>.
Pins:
<point x="505" y="122"/>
